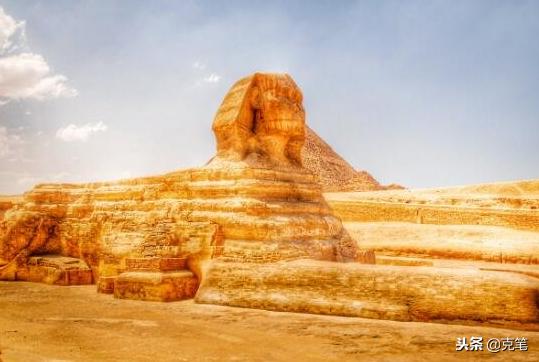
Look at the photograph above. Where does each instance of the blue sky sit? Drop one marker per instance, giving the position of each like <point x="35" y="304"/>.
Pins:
<point x="421" y="93"/>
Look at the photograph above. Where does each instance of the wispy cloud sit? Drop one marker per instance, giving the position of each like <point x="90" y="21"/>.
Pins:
<point x="11" y="32"/>
<point x="26" y="75"/>
<point x="212" y="78"/>
<point x="9" y="142"/>
<point x="199" y="65"/>
<point x="73" y="133"/>
<point x="200" y="68"/>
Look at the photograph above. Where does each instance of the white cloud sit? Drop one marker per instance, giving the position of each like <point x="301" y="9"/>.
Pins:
<point x="73" y="133"/>
<point x="25" y="75"/>
<point x="9" y="143"/>
<point x="212" y="78"/>
<point x="9" y="29"/>
<point x="209" y="78"/>
<point x="4" y="142"/>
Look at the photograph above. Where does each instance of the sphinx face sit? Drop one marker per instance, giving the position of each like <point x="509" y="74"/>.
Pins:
<point x="281" y="108"/>
<point x="279" y="124"/>
<point x="262" y="114"/>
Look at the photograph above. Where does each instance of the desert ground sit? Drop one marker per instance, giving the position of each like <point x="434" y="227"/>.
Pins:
<point x="40" y="322"/>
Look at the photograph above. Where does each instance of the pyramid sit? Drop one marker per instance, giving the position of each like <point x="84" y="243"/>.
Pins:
<point x="334" y="173"/>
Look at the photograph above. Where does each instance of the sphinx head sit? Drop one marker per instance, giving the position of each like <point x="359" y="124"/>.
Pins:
<point x="262" y="114"/>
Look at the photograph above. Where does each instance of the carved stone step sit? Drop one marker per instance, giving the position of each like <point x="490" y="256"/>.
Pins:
<point x="55" y="269"/>
<point x="154" y="264"/>
<point x="156" y="286"/>
<point x="105" y="285"/>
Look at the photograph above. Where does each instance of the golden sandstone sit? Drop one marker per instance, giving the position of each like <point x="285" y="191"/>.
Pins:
<point x="252" y="229"/>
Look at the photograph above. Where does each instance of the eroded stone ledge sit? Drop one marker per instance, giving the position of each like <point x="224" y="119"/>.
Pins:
<point x="404" y="293"/>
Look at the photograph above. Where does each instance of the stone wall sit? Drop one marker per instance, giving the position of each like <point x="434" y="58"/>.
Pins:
<point x="363" y="211"/>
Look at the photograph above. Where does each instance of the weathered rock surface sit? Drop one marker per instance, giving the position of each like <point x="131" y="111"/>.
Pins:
<point x="156" y="286"/>
<point x="463" y="242"/>
<point x="4" y="206"/>
<point x="496" y="222"/>
<point x="472" y="229"/>
<point x="412" y="293"/>
<point x="54" y="269"/>
<point x="238" y="214"/>
<point x="516" y="195"/>
<point x="155" y="279"/>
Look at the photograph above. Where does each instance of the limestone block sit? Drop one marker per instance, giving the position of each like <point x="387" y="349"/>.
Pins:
<point x="105" y="285"/>
<point x="386" y="292"/>
<point x="506" y="204"/>
<point x="55" y="269"/>
<point x="156" y="286"/>
<point x="155" y="264"/>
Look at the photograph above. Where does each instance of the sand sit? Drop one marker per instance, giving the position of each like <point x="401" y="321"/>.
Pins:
<point x="40" y="322"/>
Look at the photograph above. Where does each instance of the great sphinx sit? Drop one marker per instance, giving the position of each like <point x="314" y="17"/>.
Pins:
<point x="252" y="202"/>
